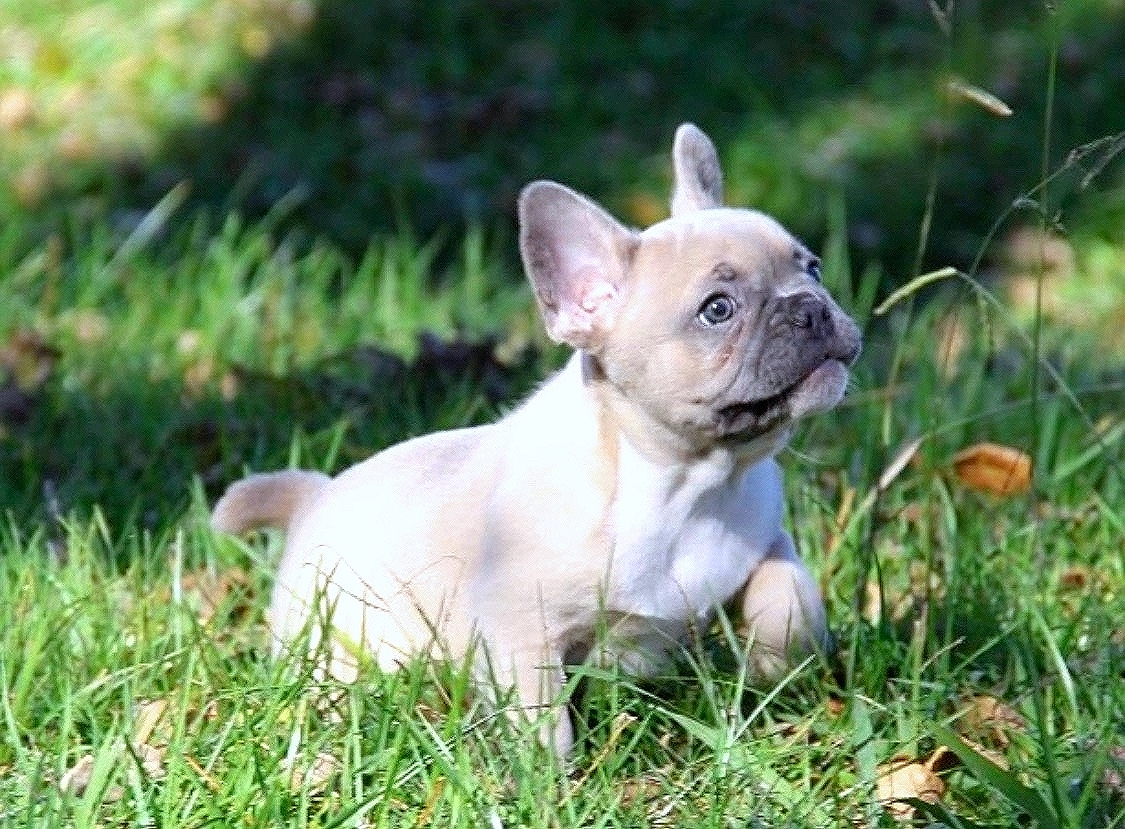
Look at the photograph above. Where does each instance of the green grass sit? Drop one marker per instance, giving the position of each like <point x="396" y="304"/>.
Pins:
<point x="149" y="357"/>
<point x="937" y="595"/>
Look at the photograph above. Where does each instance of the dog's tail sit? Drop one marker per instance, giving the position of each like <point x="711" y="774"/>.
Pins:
<point x="267" y="500"/>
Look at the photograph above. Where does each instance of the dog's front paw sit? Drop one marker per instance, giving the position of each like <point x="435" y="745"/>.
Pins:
<point x="784" y="617"/>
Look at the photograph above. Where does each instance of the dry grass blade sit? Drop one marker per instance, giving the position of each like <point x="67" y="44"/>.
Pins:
<point x="965" y="91"/>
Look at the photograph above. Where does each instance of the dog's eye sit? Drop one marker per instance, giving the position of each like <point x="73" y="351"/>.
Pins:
<point x="813" y="269"/>
<point x="716" y="309"/>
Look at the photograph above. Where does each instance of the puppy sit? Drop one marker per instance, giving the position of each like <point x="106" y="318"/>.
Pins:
<point x="631" y="495"/>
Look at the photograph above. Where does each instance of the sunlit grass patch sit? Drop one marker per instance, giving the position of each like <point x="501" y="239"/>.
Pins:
<point x="107" y="81"/>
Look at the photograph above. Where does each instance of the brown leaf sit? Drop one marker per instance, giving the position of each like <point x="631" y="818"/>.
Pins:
<point x="210" y="592"/>
<point x="988" y="719"/>
<point x="1077" y="577"/>
<point x="79" y="776"/>
<point x="28" y="358"/>
<point x="151" y="758"/>
<point x="994" y="468"/>
<point x="903" y="778"/>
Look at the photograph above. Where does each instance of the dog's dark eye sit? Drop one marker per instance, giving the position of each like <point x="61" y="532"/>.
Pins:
<point x="813" y="269"/>
<point x="716" y="309"/>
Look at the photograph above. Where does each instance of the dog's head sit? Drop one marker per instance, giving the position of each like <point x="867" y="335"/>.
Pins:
<point x="712" y="323"/>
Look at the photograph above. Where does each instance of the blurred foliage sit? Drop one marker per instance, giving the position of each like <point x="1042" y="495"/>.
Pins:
<point x="362" y="116"/>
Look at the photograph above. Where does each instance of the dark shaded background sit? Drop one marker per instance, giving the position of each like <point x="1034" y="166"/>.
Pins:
<point x="431" y="114"/>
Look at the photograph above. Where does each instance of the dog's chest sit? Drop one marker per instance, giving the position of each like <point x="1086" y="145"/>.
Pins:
<point x="686" y="539"/>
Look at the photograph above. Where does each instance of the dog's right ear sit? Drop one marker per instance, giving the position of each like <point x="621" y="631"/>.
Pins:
<point x="577" y="258"/>
<point x="697" y="178"/>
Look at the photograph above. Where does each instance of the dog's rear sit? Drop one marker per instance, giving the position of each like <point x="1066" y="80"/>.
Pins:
<point x="268" y="500"/>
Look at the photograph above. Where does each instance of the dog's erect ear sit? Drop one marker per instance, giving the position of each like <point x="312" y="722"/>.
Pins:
<point x="577" y="257"/>
<point x="697" y="178"/>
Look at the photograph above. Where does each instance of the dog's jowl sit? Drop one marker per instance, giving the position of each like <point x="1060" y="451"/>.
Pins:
<point x="633" y="494"/>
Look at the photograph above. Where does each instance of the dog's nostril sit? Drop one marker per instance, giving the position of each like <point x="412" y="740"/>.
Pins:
<point x="809" y="312"/>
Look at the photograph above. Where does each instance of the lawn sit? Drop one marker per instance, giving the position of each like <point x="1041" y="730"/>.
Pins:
<point x="245" y="235"/>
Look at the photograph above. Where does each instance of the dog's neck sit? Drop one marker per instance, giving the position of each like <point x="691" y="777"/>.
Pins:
<point x="656" y="440"/>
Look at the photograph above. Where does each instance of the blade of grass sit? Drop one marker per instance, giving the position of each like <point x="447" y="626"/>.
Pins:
<point x="1003" y="782"/>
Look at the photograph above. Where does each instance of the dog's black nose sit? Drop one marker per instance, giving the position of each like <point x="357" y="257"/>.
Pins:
<point x="808" y="311"/>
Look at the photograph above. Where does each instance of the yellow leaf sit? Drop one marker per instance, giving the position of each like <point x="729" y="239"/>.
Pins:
<point x="994" y="468"/>
<point x="148" y="717"/>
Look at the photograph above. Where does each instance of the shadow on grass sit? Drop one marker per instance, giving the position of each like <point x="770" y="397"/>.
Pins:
<point x="135" y="452"/>
<point x="433" y="114"/>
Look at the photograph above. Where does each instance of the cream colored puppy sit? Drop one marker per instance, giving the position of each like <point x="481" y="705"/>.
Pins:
<point x="632" y="494"/>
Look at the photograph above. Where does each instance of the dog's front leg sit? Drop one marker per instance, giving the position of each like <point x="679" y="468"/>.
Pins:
<point x="783" y="612"/>
<point x="530" y="674"/>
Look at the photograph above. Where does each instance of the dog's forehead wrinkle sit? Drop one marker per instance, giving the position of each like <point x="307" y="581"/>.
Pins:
<point x="725" y="272"/>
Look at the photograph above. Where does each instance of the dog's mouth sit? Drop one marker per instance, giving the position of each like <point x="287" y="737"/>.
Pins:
<point x="820" y="388"/>
<point x="755" y="417"/>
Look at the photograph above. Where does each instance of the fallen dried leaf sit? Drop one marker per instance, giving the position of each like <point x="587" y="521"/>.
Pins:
<point x="902" y="779"/>
<point x="209" y="592"/>
<point x="314" y="778"/>
<point x="28" y="358"/>
<point x="1077" y="577"/>
<point x="994" y="468"/>
<point x="77" y="778"/>
<point x="149" y="715"/>
<point x="151" y="759"/>
<point x="990" y="720"/>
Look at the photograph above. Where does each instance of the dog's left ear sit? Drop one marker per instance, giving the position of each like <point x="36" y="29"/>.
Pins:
<point x="697" y="178"/>
<point x="577" y="258"/>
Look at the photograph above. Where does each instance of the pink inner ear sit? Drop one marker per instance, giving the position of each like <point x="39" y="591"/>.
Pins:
<point x="582" y="315"/>
<point x="597" y="295"/>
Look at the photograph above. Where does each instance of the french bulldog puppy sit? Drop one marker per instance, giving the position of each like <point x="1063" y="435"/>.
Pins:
<point x="634" y="493"/>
